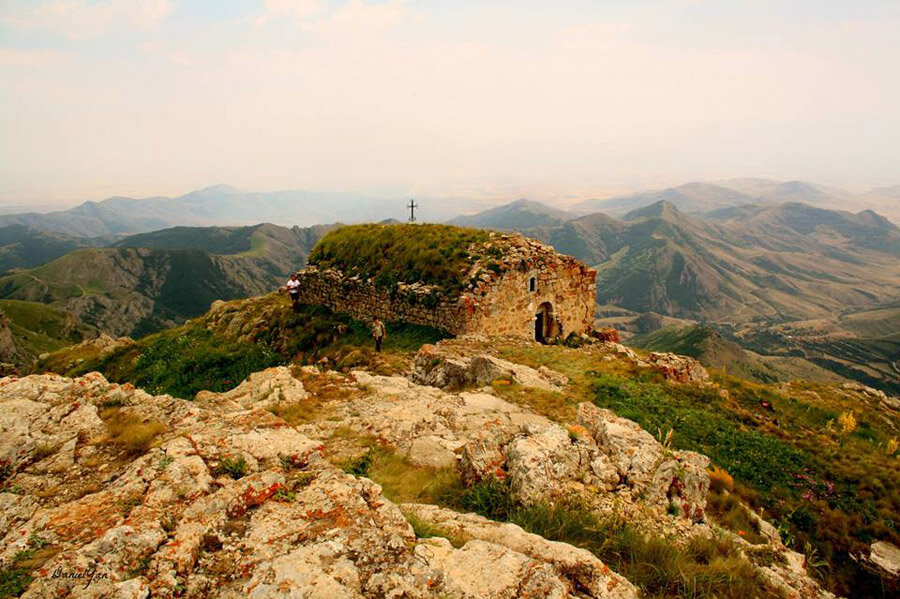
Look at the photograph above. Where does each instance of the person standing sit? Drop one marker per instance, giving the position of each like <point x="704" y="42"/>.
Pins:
<point x="378" y="332"/>
<point x="293" y="287"/>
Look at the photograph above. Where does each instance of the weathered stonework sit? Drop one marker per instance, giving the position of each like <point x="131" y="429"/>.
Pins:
<point x="529" y="291"/>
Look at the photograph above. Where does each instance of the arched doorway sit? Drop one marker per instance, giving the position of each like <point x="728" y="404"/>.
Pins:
<point x="544" y="323"/>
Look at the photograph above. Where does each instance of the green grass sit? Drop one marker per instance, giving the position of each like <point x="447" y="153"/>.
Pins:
<point x="432" y="254"/>
<point x="704" y="568"/>
<point x="193" y="357"/>
<point x="39" y="328"/>
<point x="182" y="362"/>
<point x="835" y="494"/>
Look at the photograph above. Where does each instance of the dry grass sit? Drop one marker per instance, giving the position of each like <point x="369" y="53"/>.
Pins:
<point x="44" y="450"/>
<point x="405" y="482"/>
<point x="727" y="511"/>
<point x="129" y="431"/>
<point x="555" y="405"/>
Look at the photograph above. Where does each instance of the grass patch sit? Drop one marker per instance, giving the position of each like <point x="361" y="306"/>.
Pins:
<point x="837" y="493"/>
<point x="130" y="432"/>
<point x="404" y="482"/>
<point x="704" y="568"/>
<point x="216" y="353"/>
<point x="427" y="530"/>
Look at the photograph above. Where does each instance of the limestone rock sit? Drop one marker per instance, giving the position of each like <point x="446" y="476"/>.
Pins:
<point x="261" y="389"/>
<point x="166" y="524"/>
<point x="540" y="464"/>
<point x="448" y="371"/>
<point x="886" y="556"/>
<point x="577" y="568"/>
<point x="677" y="368"/>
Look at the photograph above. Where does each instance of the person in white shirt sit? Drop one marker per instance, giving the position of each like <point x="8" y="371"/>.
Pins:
<point x="293" y="287"/>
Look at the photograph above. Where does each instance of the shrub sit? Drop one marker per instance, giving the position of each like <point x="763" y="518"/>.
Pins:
<point x="427" y="530"/>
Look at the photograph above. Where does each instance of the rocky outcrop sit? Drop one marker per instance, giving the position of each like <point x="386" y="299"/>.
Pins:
<point x="580" y="567"/>
<point x="105" y="344"/>
<point x="169" y="521"/>
<point x="439" y="367"/>
<point x="871" y="394"/>
<point x="677" y="368"/>
<point x="886" y="558"/>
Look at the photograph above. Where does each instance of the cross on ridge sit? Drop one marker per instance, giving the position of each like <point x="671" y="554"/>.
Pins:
<point x="412" y="210"/>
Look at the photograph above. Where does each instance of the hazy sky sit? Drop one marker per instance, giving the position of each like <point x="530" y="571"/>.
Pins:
<point x="443" y="98"/>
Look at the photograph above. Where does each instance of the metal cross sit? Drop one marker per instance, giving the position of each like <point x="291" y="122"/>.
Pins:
<point x="412" y="210"/>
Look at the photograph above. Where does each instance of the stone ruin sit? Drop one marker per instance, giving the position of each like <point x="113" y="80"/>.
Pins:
<point x="529" y="291"/>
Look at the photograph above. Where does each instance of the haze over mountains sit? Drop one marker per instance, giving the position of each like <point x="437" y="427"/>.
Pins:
<point x="218" y="205"/>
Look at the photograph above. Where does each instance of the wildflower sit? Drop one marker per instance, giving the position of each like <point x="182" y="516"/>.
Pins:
<point x="848" y="422"/>
<point x="742" y="532"/>
<point x="892" y="446"/>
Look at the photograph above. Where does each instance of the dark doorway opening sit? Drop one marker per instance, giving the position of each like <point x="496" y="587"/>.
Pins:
<point x="543" y="323"/>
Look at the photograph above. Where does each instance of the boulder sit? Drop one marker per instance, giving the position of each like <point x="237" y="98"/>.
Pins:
<point x="677" y="368"/>
<point x="444" y="370"/>
<point x="886" y="557"/>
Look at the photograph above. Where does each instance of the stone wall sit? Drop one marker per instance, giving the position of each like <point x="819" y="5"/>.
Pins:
<point x="504" y="304"/>
<point x="363" y="300"/>
<point x="500" y="300"/>
<point x="508" y="307"/>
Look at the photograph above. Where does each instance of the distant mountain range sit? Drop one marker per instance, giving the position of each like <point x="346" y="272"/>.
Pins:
<point x="700" y="197"/>
<point x="156" y="280"/>
<point x="781" y="262"/>
<point x="220" y="205"/>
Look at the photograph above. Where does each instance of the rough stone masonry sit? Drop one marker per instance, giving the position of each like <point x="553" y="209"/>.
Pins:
<point x="529" y="291"/>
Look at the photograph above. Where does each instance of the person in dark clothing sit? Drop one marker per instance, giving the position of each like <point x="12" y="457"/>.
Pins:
<point x="378" y="332"/>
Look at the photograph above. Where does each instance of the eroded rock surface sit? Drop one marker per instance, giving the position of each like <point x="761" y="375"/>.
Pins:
<point x="439" y="366"/>
<point x="167" y="521"/>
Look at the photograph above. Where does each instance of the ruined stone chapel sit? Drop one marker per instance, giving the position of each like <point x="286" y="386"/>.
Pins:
<point x="492" y="283"/>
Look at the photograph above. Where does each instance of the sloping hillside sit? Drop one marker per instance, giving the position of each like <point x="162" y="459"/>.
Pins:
<point x="715" y="350"/>
<point x="816" y="460"/>
<point x="521" y="214"/>
<point x="24" y="247"/>
<point x="157" y="280"/>
<point x="31" y="329"/>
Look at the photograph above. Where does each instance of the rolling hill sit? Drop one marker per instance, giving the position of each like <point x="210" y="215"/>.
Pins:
<point x="521" y="214"/>
<point x="29" y="329"/>
<point x="782" y="262"/>
<point x="160" y="279"/>
<point x="24" y="247"/>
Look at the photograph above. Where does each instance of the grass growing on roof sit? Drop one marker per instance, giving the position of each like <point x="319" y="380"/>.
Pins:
<point x="432" y="254"/>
